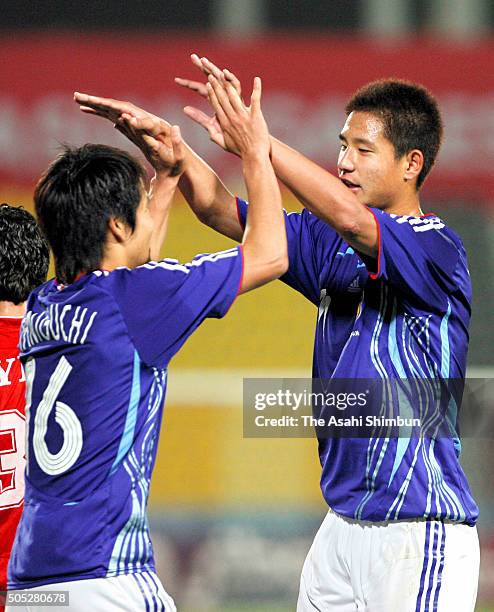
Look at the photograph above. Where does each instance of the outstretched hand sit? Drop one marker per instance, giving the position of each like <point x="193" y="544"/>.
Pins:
<point x="160" y="142"/>
<point x="244" y="128"/>
<point x="209" y="122"/>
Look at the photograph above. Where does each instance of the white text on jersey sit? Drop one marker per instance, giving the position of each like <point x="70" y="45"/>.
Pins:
<point x="58" y="323"/>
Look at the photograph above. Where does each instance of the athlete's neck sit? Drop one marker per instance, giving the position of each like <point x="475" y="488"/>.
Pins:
<point x="9" y="309"/>
<point x="117" y="254"/>
<point x="407" y="206"/>
<point x="111" y="261"/>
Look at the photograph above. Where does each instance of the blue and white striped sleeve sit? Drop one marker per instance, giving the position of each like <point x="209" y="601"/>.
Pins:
<point x="418" y="256"/>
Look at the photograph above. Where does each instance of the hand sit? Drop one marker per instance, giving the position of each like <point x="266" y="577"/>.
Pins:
<point x="165" y="151"/>
<point x="160" y="142"/>
<point x="244" y="128"/>
<point x="209" y="123"/>
<point x="207" y="67"/>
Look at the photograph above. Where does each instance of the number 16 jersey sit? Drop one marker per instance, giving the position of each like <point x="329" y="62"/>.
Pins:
<point x="95" y="355"/>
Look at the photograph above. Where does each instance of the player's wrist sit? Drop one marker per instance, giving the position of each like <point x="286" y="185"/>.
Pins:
<point x="255" y="156"/>
<point x="169" y="173"/>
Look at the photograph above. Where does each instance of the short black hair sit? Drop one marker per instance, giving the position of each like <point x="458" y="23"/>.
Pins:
<point x="410" y="116"/>
<point x="24" y="254"/>
<point x="75" y="198"/>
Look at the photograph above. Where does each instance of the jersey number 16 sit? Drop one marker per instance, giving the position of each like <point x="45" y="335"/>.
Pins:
<point x="61" y="461"/>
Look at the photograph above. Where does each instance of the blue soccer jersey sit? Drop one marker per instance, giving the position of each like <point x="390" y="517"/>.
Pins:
<point x="402" y="316"/>
<point x="96" y="354"/>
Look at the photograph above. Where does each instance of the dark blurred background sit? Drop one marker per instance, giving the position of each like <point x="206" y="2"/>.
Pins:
<point x="449" y="17"/>
<point x="233" y="518"/>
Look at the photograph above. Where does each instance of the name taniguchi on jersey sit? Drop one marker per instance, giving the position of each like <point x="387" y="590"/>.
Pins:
<point x="404" y="315"/>
<point x="96" y="354"/>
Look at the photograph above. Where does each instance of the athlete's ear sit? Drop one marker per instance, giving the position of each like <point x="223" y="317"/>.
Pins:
<point x="414" y="162"/>
<point x="118" y="230"/>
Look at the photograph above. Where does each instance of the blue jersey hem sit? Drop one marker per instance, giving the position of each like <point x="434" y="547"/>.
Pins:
<point x="149" y="567"/>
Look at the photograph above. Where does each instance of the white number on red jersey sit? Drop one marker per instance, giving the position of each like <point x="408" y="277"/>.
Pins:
<point x="12" y="458"/>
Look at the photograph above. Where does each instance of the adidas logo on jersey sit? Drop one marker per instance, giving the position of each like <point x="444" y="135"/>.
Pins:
<point x="354" y="286"/>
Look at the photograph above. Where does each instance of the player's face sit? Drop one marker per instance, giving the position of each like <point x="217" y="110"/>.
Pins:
<point x="139" y="243"/>
<point x="367" y="162"/>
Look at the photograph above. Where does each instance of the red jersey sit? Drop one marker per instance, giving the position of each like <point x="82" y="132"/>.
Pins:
<point x="12" y="439"/>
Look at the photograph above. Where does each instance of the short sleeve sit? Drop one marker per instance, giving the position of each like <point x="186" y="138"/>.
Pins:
<point x="418" y="256"/>
<point x="312" y="243"/>
<point x="162" y="303"/>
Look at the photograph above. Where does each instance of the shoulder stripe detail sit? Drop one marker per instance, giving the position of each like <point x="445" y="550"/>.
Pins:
<point x="171" y="260"/>
<point x="213" y="257"/>
<point x="173" y="264"/>
<point x="419" y="224"/>
<point x="166" y="266"/>
<point x="425" y="228"/>
<point x="170" y="264"/>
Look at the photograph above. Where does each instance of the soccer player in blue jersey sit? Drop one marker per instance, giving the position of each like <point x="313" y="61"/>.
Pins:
<point x="393" y="294"/>
<point x="96" y="342"/>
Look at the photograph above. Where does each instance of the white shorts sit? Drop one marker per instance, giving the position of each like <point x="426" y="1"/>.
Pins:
<point x="127" y="593"/>
<point x="393" y="566"/>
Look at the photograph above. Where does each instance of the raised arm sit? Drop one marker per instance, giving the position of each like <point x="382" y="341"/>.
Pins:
<point x="325" y="196"/>
<point x="163" y="148"/>
<point x="244" y="128"/>
<point x="321" y="192"/>
<point x="205" y="193"/>
<point x="212" y="203"/>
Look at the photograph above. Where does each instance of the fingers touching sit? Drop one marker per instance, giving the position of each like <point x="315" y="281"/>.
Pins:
<point x="230" y="77"/>
<point x="160" y="142"/>
<point x="223" y="93"/>
<point x="207" y="67"/>
<point x="126" y="116"/>
<point x="226" y="101"/>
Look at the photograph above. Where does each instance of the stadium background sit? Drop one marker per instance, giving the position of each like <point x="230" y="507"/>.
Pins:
<point x="232" y="517"/>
